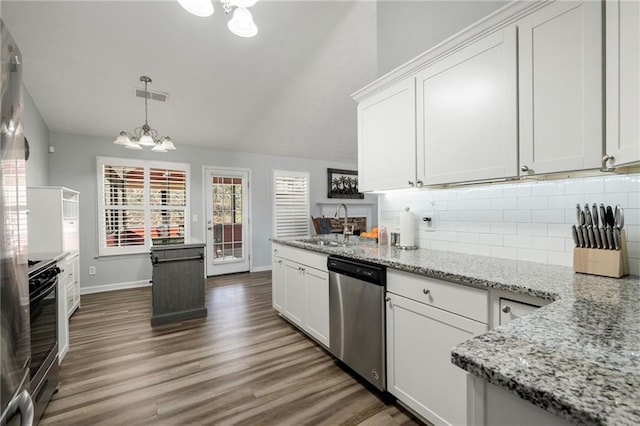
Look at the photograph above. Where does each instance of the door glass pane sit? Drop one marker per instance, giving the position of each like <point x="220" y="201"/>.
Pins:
<point x="227" y="218"/>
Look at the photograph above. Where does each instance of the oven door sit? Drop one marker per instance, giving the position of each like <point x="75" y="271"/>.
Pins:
<point x="44" y="326"/>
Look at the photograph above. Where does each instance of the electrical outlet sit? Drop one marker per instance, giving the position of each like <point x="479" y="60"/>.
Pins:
<point x="428" y="224"/>
<point x="92" y="270"/>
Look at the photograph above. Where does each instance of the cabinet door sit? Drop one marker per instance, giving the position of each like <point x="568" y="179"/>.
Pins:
<point x="387" y="138"/>
<point x="419" y="368"/>
<point x="278" y="284"/>
<point x="295" y="303"/>
<point x="467" y="113"/>
<point x="63" y="321"/>
<point x="317" y="305"/>
<point x="623" y="81"/>
<point x="560" y="68"/>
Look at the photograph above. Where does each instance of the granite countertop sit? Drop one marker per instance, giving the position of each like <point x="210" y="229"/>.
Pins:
<point x="57" y="256"/>
<point x="578" y="357"/>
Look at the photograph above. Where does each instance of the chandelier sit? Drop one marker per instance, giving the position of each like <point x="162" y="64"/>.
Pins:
<point x="241" y="24"/>
<point x="145" y="135"/>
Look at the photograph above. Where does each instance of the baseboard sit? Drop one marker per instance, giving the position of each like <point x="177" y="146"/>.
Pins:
<point x="261" y="268"/>
<point x="114" y="286"/>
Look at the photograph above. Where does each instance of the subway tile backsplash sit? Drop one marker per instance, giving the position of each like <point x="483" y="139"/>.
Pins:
<point x="526" y="220"/>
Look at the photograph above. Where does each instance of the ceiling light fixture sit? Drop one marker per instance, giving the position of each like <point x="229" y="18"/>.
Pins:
<point x="241" y="23"/>
<point x="145" y="135"/>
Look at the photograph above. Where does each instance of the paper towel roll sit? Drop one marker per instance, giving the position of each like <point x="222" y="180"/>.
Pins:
<point x="406" y="228"/>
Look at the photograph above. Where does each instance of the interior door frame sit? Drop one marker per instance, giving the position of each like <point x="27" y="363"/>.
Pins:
<point x="249" y="240"/>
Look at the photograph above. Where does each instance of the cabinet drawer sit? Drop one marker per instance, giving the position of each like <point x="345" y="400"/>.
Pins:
<point x="66" y="276"/>
<point x="301" y="256"/>
<point x="510" y="310"/>
<point x="456" y="298"/>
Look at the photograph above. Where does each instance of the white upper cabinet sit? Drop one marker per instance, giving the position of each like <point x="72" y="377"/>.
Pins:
<point x="467" y="112"/>
<point x="561" y="87"/>
<point x="623" y="81"/>
<point x="387" y="138"/>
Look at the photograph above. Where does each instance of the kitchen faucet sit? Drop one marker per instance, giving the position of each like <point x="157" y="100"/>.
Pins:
<point x="345" y="230"/>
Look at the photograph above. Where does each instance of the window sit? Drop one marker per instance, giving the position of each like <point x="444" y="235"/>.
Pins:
<point x="290" y="204"/>
<point x="140" y="201"/>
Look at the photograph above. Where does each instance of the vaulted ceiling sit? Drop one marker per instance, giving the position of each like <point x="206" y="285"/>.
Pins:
<point x="285" y="91"/>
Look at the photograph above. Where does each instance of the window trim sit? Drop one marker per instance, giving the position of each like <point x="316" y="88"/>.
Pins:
<point x="290" y="173"/>
<point x="147" y="165"/>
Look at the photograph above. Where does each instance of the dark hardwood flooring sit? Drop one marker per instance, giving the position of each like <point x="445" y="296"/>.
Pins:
<point x="243" y="364"/>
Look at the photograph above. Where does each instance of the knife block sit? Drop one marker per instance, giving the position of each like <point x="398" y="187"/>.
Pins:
<point x="607" y="263"/>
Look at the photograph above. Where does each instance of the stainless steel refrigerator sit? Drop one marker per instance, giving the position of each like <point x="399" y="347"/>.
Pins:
<point x="15" y="347"/>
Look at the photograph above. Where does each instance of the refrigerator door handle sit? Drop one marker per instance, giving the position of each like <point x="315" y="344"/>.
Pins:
<point x="22" y="403"/>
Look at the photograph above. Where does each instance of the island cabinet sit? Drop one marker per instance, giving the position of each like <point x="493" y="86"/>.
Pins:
<point x="623" y="82"/>
<point x="561" y="88"/>
<point x="426" y="318"/>
<point x="177" y="283"/>
<point x="387" y="138"/>
<point x="300" y="289"/>
<point x="467" y="112"/>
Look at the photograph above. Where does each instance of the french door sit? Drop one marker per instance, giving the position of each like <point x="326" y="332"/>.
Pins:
<point x="227" y="210"/>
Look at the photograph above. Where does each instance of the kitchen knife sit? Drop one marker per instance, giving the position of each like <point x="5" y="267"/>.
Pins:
<point x="619" y="217"/>
<point x="603" y="214"/>
<point x="580" y="237"/>
<point x="574" y="234"/>
<point x="596" y="236"/>
<point x="610" y="218"/>
<point x="578" y="213"/>
<point x="594" y="215"/>
<point x="592" y="237"/>
<point x="587" y="215"/>
<point x="610" y="241"/>
<point x="616" y="238"/>
<point x="603" y="237"/>
<point x="583" y="230"/>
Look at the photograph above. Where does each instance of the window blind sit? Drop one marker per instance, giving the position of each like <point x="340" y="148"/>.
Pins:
<point x="139" y="201"/>
<point x="290" y="204"/>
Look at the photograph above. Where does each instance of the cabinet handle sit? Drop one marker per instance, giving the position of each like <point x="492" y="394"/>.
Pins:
<point x="426" y="291"/>
<point x="506" y="309"/>
<point x="524" y="168"/>
<point x="279" y="261"/>
<point x="607" y="159"/>
<point x="411" y="183"/>
<point x="387" y="299"/>
<point x="419" y="184"/>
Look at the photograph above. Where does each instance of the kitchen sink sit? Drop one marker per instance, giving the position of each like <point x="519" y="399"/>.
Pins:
<point x="324" y="242"/>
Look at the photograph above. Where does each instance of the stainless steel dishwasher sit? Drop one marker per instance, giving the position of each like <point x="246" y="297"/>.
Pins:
<point x="357" y="317"/>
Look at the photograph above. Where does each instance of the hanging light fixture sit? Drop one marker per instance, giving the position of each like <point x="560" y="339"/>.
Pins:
<point x="145" y="135"/>
<point x="241" y="23"/>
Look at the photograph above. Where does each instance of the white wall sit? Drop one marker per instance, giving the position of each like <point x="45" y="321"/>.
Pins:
<point x="528" y="221"/>
<point x="74" y="165"/>
<point x="37" y="133"/>
<point x="408" y="28"/>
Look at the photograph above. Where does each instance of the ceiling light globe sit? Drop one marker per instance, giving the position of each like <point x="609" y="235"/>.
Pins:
<point x="242" y="23"/>
<point x="167" y="143"/>
<point x="158" y="148"/>
<point x="133" y="144"/>
<point x="122" y="139"/>
<point x="202" y="8"/>
<point x="147" y="140"/>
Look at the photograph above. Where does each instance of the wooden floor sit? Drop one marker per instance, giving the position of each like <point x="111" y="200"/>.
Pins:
<point x="243" y="364"/>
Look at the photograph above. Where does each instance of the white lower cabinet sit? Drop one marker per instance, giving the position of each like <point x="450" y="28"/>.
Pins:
<point x="300" y="287"/>
<point x="63" y="322"/>
<point x="295" y="291"/>
<point x="278" y="284"/>
<point x="419" y="342"/>
<point x="69" y="276"/>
